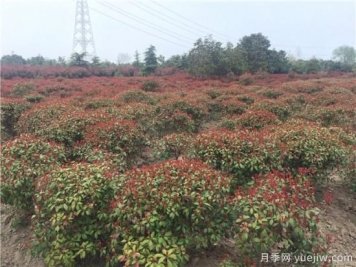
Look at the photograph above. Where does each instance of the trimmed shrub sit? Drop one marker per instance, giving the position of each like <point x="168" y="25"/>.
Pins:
<point x="10" y="114"/>
<point x="172" y="146"/>
<point x="257" y="119"/>
<point x="137" y="96"/>
<point x="72" y="208"/>
<point x="166" y="208"/>
<point x="150" y="86"/>
<point x="309" y="146"/>
<point x="243" y="153"/>
<point x="277" y="208"/>
<point x="117" y="136"/>
<point x="23" y="161"/>
<point x="22" y="89"/>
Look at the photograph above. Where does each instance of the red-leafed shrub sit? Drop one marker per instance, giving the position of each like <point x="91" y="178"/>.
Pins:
<point x="23" y="161"/>
<point x="117" y="136"/>
<point x="310" y="146"/>
<point x="252" y="119"/>
<point x="232" y="106"/>
<point x="256" y="119"/>
<point x="282" y="110"/>
<point x="241" y="153"/>
<point x="72" y="207"/>
<point x="165" y="208"/>
<point x="42" y="116"/>
<point x="278" y="208"/>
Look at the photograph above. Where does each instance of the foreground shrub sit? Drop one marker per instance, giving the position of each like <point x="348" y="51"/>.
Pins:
<point x="23" y="161"/>
<point x="166" y="208"/>
<point x="277" y="208"/>
<point x="72" y="206"/>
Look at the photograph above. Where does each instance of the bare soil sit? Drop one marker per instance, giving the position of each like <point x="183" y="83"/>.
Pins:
<point x="337" y="219"/>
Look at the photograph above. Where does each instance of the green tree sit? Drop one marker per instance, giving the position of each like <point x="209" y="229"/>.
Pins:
<point x="78" y="59"/>
<point x="13" y="60"/>
<point x="151" y="62"/>
<point x="61" y="61"/>
<point x="38" y="60"/>
<point x="312" y="66"/>
<point x="257" y="49"/>
<point x="345" y="54"/>
<point x="95" y="61"/>
<point x="278" y="62"/>
<point x="207" y="59"/>
<point x="137" y="62"/>
<point x="236" y="59"/>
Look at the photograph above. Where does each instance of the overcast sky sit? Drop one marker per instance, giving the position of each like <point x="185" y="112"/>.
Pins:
<point x="303" y="28"/>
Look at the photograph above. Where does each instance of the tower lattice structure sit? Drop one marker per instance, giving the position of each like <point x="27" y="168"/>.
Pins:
<point x="83" y="39"/>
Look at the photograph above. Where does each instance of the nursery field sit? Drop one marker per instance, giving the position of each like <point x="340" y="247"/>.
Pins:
<point x="174" y="171"/>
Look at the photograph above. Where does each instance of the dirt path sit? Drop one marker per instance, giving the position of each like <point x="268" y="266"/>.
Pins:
<point x="337" y="219"/>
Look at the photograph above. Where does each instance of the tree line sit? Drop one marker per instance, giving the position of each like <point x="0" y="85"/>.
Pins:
<point x="210" y="58"/>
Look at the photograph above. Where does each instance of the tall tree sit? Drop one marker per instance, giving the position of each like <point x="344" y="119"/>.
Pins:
<point x="207" y="58"/>
<point x="151" y="62"/>
<point x="257" y="49"/>
<point x="345" y="54"/>
<point x="39" y="60"/>
<point x="137" y="62"/>
<point x="13" y="60"/>
<point x="78" y="59"/>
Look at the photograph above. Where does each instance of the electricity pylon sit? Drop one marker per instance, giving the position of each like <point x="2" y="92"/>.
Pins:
<point x="83" y="39"/>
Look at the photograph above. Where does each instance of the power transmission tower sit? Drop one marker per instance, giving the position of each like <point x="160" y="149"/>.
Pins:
<point x="83" y="39"/>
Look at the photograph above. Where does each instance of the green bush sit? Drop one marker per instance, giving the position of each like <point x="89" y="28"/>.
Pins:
<point x="166" y="208"/>
<point x="150" y="86"/>
<point x="34" y="98"/>
<point x="246" y="79"/>
<point x="137" y="96"/>
<point x="23" y="161"/>
<point x="172" y="146"/>
<point x="72" y="208"/>
<point x="22" y="89"/>
<point x="10" y="114"/>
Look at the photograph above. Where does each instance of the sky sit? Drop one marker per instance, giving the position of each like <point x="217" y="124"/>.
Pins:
<point x="304" y="29"/>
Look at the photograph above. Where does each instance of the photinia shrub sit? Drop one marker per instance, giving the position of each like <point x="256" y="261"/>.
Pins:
<point x="23" y="161"/>
<point x="172" y="146"/>
<point x="10" y="113"/>
<point x="282" y="110"/>
<point x="176" y="122"/>
<point x="242" y="153"/>
<point x="277" y="208"/>
<point x="310" y="146"/>
<point x="165" y="208"/>
<point x="71" y="220"/>
<point x="137" y="96"/>
<point x="117" y="136"/>
<point x="87" y="153"/>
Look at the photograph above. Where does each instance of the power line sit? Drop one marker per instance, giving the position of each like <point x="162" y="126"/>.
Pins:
<point x="191" y="21"/>
<point x="138" y="28"/>
<point x="160" y="17"/>
<point x="147" y="23"/>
